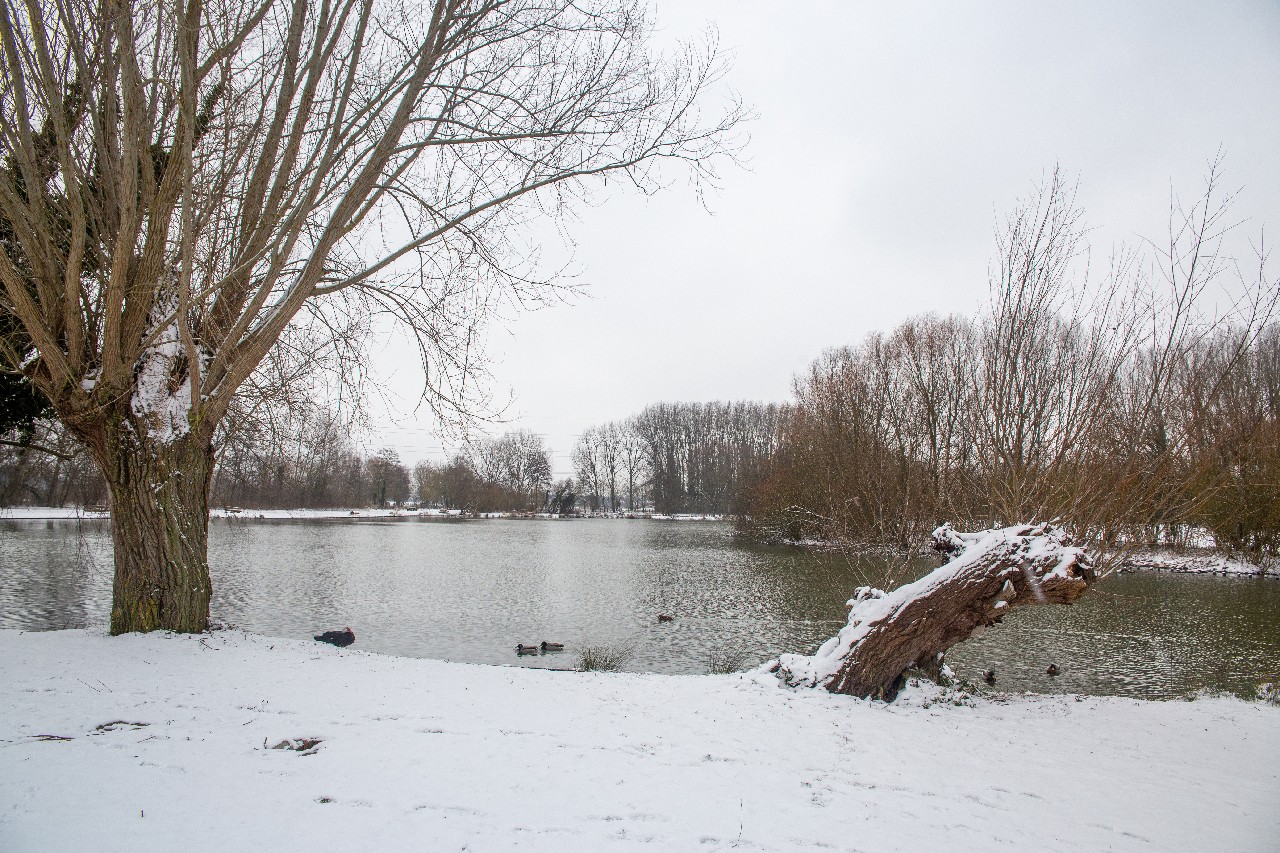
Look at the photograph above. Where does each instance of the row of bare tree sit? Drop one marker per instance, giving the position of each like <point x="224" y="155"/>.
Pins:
<point x="676" y="457"/>
<point x="511" y="472"/>
<point x="316" y="465"/>
<point x="1130" y="409"/>
<point x="47" y="467"/>
<point x="316" y="468"/>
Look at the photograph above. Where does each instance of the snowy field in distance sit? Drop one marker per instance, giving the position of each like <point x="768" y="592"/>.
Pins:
<point x="144" y="742"/>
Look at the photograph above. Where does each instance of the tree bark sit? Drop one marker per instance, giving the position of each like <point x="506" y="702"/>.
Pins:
<point x="988" y="574"/>
<point x="159" y="496"/>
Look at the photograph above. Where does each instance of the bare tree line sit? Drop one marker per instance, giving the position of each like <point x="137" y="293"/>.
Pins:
<point x="48" y="468"/>
<point x="1129" y="409"/>
<point x="506" y="473"/>
<point x="676" y="457"/>
<point x="319" y="468"/>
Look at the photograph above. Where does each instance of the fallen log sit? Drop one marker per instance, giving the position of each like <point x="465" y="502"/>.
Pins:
<point x="989" y="574"/>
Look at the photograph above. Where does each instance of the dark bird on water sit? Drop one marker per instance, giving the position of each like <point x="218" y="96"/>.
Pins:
<point x="551" y="647"/>
<point x="337" y="638"/>
<point x="522" y="649"/>
<point x="989" y="676"/>
<point x="662" y="617"/>
<point x="1052" y="670"/>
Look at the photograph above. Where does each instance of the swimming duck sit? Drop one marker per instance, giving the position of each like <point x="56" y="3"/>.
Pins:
<point x="1052" y="670"/>
<point x="662" y="617"/>
<point x="551" y="647"/>
<point x="989" y="676"/>
<point x="341" y="639"/>
<point x="522" y="649"/>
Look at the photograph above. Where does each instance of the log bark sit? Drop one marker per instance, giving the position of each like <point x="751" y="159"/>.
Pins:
<point x="159" y="495"/>
<point x="989" y="574"/>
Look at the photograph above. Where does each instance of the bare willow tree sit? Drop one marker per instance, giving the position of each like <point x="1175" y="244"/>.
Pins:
<point x="183" y="180"/>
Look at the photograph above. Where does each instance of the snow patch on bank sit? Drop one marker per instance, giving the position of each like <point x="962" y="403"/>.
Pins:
<point x="1199" y="562"/>
<point x="237" y="742"/>
<point x="73" y="512"/>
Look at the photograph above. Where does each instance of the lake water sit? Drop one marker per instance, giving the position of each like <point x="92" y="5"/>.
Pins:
<point x="470" y="591"/>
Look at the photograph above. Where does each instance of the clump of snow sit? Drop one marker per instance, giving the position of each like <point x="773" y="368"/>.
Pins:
<point x="1033" y="544"/>
<point x="90" y="380"/>
<point x="127" y="743"/>
<point x="1199" y="561"/>
<point x="157" y="401"/>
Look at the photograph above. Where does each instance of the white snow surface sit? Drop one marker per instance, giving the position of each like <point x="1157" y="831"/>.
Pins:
<point x="164" y="746"/>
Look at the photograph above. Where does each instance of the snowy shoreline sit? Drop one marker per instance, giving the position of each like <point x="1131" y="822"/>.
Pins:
<point x="130" y="742"/>
<point x="39" y="513"/>
<point x="1196" y="561"/>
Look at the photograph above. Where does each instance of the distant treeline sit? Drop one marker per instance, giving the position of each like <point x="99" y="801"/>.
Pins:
<point x="46" y="467"/>
<point x="677" y="457"/>
<point x="942" y="421"/>
<point x="669" y="458"/>
<point x="1013" y="415"/>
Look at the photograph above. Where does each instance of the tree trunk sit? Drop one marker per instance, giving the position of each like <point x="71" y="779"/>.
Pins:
<point x="989" y="574"/>
<point x="160" y="531"/>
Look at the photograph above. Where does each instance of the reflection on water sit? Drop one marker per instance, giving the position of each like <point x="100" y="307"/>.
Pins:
<point x="470" y="591"/>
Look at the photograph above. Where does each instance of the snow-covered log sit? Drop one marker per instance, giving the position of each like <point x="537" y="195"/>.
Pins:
<point x="989" y="573"/>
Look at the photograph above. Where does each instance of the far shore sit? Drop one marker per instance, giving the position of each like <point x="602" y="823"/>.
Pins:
<point x="1188" y="560"/>
<point x="74" y="512"/>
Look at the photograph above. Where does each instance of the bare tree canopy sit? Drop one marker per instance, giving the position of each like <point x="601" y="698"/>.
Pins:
<point x="183" y="182"/>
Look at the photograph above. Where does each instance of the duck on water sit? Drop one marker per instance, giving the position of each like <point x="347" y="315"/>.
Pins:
<point x="544" y="646"/>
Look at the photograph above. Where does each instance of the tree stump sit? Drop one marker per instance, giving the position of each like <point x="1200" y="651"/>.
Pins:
<point x="989" y="574"/>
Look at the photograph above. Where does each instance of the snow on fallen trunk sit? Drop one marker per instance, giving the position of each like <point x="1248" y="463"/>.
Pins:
<point x="989" y="573"/>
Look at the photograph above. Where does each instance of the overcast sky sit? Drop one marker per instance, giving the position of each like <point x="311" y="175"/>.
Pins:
<point x="888" y="139"/>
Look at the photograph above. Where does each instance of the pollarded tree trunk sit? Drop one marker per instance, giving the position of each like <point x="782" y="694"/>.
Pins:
<point x="159" y="495"/>
<point x="989" y="574"/>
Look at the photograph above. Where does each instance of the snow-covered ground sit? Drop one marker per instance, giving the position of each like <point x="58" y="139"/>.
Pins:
<point x="163" y="742"/>
<point x="56" y="512"/>
<point x="1200" y="561"/>
<point x="39" y="512"/>
<point x="222" y="512"/>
